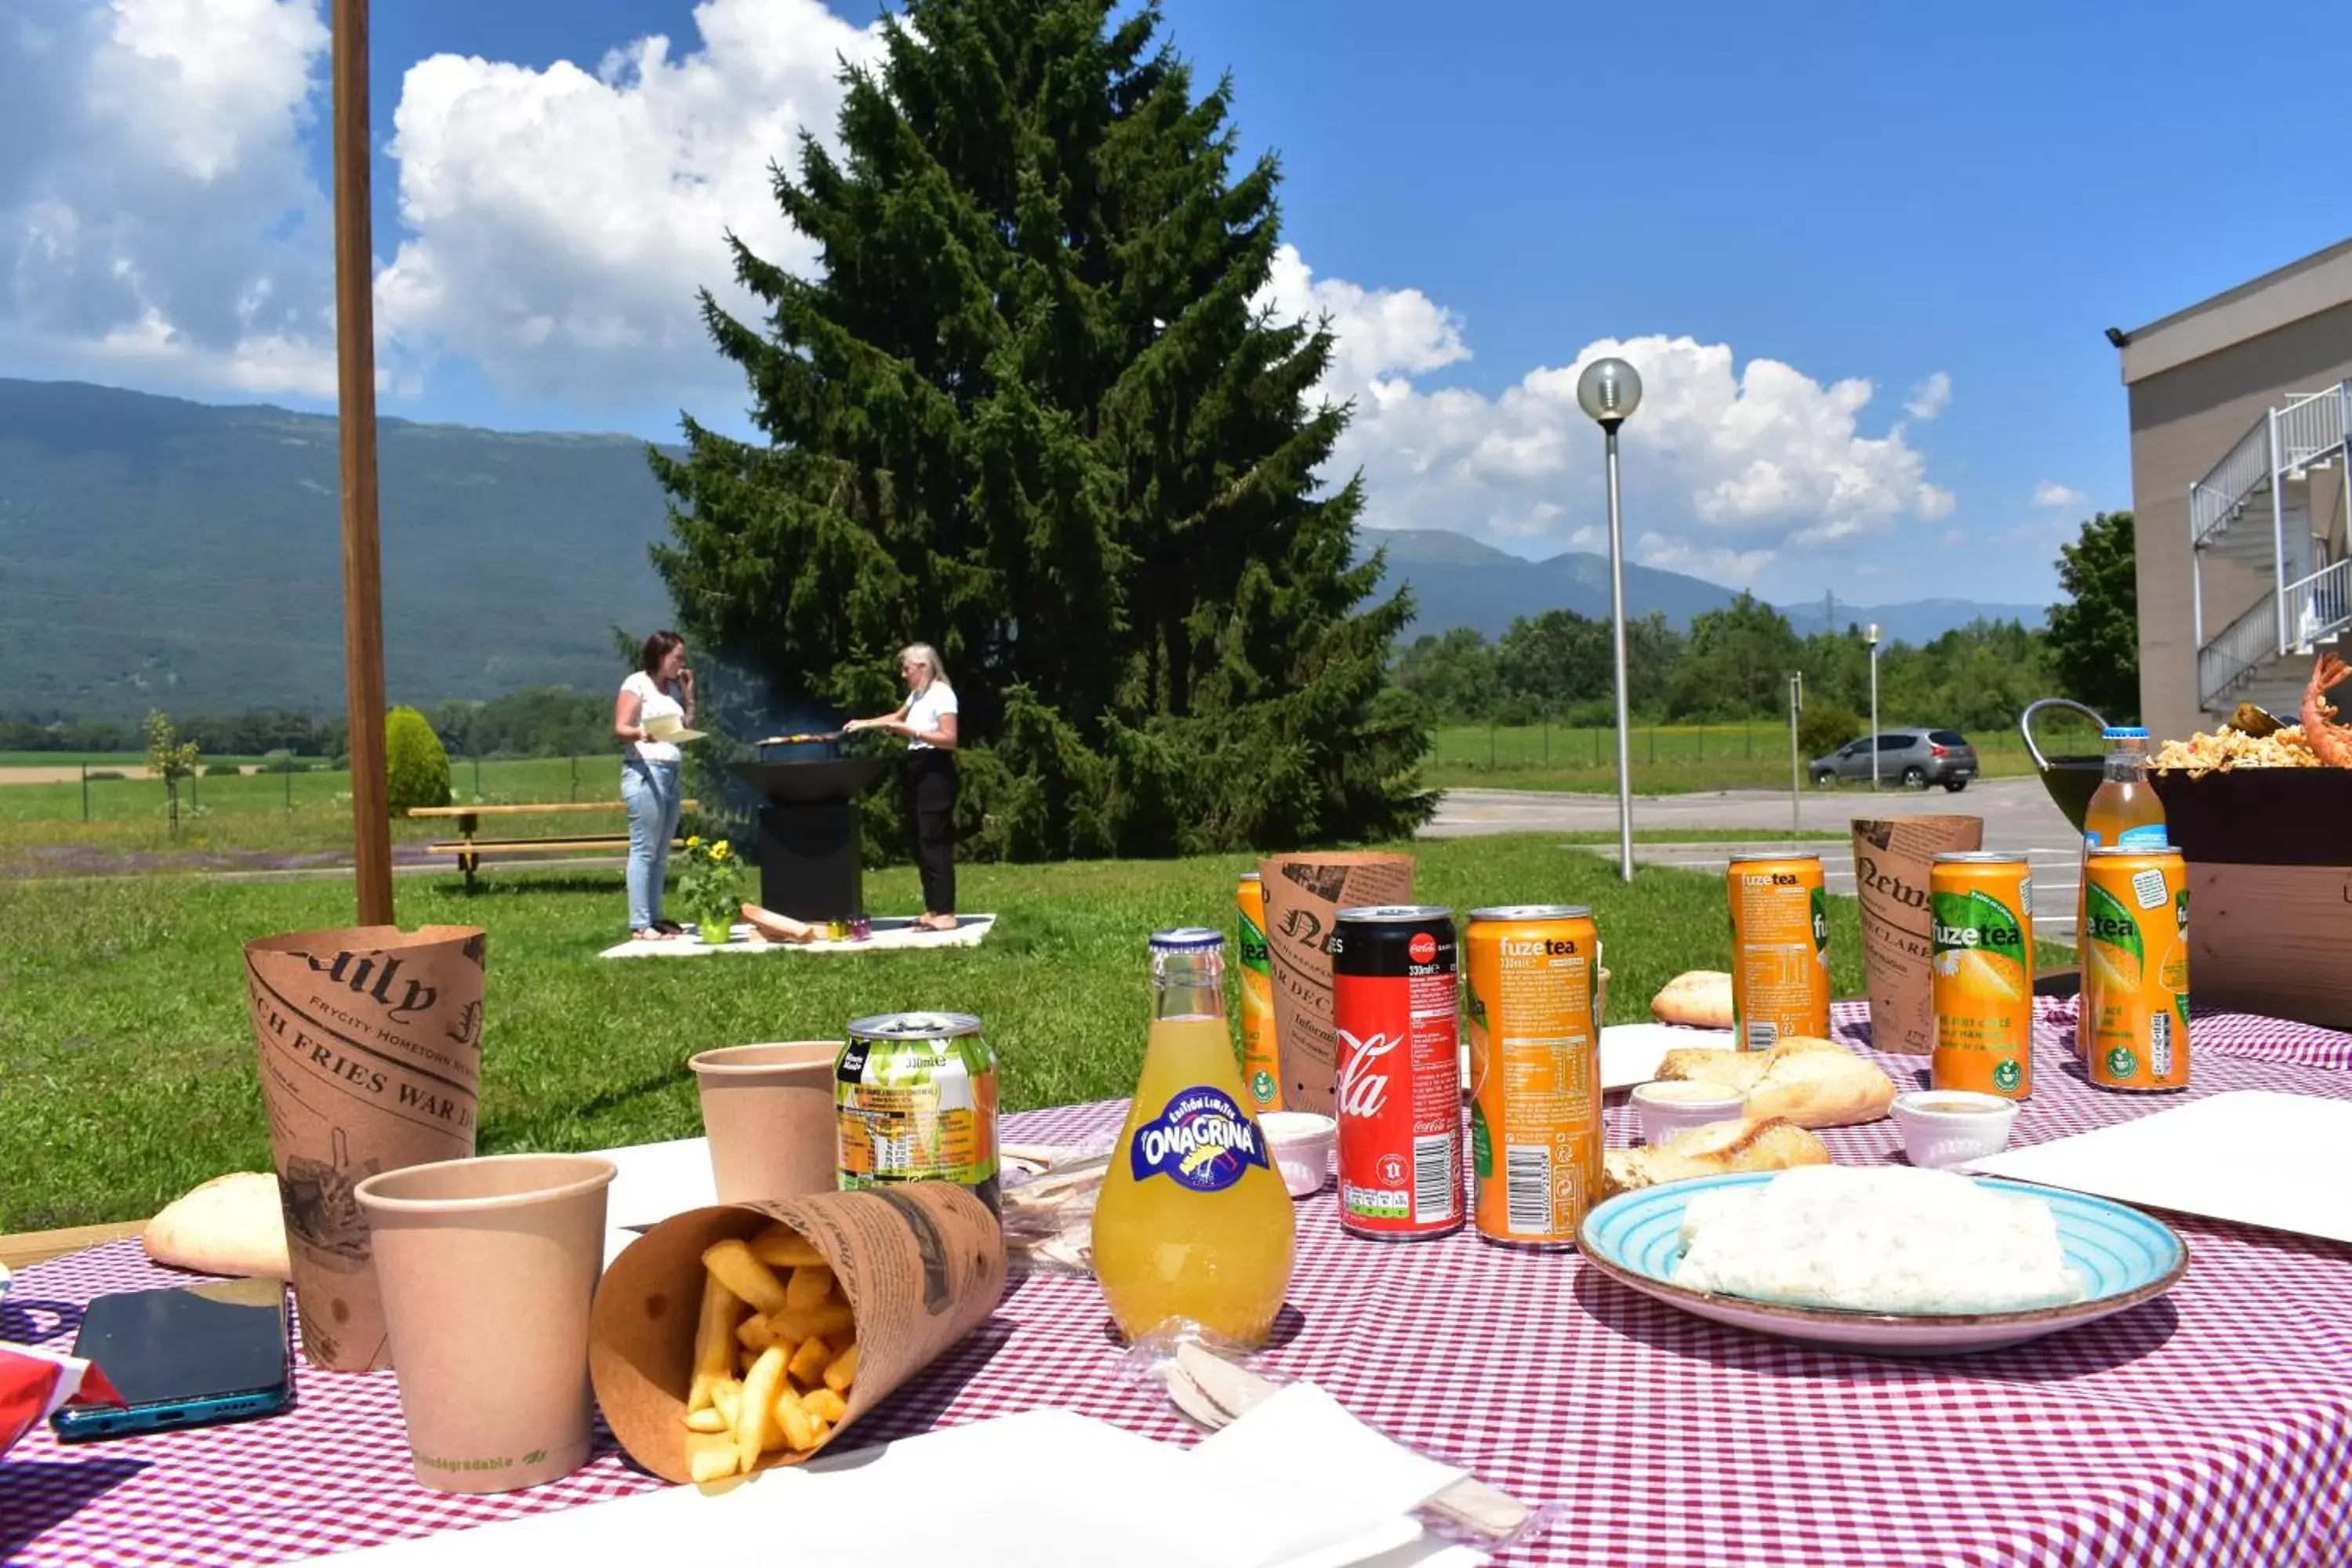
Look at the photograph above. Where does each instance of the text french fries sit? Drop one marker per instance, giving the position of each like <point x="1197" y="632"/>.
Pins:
<point x="825" y="1405"/>
<point x="759" y="1404"/>
<point x="712" y="1333"/>
<point x="780" y="1247"/>
<point x="832" y="1321"/>
<point x="808" y="1362"/>
<point x="809" y="1285"/>
<point x="843" y="1370"/>
<point x="731" y="1264"/>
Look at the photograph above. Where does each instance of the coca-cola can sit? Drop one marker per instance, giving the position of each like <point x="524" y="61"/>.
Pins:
<point x="1394" y="984"/>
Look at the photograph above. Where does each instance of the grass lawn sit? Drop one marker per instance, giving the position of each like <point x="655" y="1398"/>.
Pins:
<point x="127" y="1062"/>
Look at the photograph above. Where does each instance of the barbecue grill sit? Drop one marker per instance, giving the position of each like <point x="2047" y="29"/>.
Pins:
<point x="809" y="867"/>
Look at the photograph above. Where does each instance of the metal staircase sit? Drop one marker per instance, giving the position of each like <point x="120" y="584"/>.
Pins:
<point x="2255" y="509"/>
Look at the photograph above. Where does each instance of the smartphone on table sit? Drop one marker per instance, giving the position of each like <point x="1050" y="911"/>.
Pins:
<point x="187" y="1357"/>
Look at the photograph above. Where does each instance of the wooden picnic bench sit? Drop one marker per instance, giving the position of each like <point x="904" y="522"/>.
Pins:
<point x="470" y="847"/>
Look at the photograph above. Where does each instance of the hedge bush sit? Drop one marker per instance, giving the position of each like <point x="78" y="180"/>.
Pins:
<point x="416" y="768"/>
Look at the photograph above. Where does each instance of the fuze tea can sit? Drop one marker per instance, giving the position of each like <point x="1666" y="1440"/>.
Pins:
<point x="1779" y="949"/>
<point x="2134" y="1015"/>
<point x="1261" y="1062"/>
<point x="915" y="1100"/>
<point x="1534" y="1070"/>
<point x="1981" y="907"/>
<point x="1396" y="1011"/>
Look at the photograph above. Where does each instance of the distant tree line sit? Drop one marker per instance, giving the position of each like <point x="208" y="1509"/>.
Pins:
<point x="546" y="722"/>
<point x="1733" y="663"/>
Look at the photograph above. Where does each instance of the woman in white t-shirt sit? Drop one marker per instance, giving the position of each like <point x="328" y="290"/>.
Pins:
<point x="928" y="719"/>
<point x="661" y="688"/>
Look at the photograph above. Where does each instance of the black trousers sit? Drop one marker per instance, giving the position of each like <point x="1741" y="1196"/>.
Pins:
<point x="930" y="808"/>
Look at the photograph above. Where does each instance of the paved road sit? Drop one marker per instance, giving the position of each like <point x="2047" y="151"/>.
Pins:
<point x="2018" y="815"/>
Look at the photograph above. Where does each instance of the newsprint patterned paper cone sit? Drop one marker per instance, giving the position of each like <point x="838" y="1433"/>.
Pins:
<point x="1891" y="861"/>
<point x="1304" y="894"/>
<point x="921" y="1263"/>
<point x="371" y="1041"/>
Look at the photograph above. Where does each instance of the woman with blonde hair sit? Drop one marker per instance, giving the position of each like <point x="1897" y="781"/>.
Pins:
<point x="928" y="719"/>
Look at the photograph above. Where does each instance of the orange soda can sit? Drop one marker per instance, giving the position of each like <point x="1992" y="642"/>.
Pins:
<point x="1261" y="1063"/>
<point x="2134" y="1017"/>
<point x="1779" y="949"/>
<point x="1534" y="1070"/>
<point x="1981" y="909"/>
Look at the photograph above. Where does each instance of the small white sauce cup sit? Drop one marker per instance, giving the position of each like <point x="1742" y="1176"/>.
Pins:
<point x="1670" y="1105"/>
<point x="1302" y="1143"/>
<point x="1953" y="1126"/>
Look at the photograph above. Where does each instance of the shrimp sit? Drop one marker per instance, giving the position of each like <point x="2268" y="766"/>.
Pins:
<point x="2330" y="742"/>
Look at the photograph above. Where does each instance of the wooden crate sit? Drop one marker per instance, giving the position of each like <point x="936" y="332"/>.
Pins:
<point x="2270" y="890"/>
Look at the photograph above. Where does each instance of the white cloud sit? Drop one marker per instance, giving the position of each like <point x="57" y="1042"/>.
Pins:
<point x="1930" y="397"/>
<point x="158" y="218"/>
<point x="1954" y="537"/>
<point x="561" y="222"/>
<point x="2050" y="493"/>
<point x="1728" y="469"/>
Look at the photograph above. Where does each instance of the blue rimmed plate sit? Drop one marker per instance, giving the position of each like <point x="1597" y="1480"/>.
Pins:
<point x="2123" y="1256"/>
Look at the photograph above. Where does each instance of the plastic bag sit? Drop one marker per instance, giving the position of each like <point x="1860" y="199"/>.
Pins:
<point x="1048" y="1212"/>
<point x="34" y="1382"/>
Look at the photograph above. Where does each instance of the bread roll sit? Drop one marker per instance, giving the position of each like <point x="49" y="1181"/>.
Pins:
<point x="1749" y="1144"/>
<point x="1811" y="1082"/>
<point x="232" y="1224"/>
<point x="1701" y="998"/>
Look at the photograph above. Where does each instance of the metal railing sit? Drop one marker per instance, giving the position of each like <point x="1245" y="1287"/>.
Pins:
<point x="2308" y="425"/>
<point x="2214" y="499"/>
<point x="2319" y="606"/>
<point x="2235" y="657"/>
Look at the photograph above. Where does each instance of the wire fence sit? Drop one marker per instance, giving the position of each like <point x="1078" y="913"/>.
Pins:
<point x="1504" y="747"/>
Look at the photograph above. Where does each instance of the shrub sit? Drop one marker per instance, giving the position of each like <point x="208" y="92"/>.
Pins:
<point x="104" y="773"/>
<point x="416" y="769"/>
<point x="222" y="770"/>
<point x="1823" y="728"/>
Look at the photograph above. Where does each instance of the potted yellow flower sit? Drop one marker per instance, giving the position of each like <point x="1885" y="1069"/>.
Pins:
<point x="711" y="887"/>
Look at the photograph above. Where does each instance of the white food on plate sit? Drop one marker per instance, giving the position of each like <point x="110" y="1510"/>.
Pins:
<point x="1889" y="1241"/>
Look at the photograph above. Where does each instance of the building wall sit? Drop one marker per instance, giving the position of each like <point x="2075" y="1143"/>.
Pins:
<point x="2183" y="421"/>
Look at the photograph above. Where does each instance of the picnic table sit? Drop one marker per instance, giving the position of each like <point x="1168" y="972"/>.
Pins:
<point x="2209" y="1427"/>
<point x="469" y="847"/>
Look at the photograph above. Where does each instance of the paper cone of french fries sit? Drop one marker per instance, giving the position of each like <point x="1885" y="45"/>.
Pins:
<point x="919" y="1267"/>
<point x="1304" y="894"/>
<point x="1892" y="857"/>
<point x="370" y="1042"/>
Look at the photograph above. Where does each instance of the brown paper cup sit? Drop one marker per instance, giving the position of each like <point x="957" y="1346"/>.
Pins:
<point x="371" y="1041"/>
<point x="1891" y="861"/>
<point x="922" y="1264"/>
<point x="486" y="1269"/>
<point x="769" y="1114"/>
<point x="1304" y="894"/>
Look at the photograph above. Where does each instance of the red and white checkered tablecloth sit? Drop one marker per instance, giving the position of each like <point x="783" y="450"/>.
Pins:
<point x="2212" y="1426"/>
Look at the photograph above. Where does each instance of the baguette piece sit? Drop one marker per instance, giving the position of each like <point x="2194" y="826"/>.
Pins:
<point x="232" y="1224"/>
<point x="1749" y="1144"/>
<point x="1811" y="1082"/>
<point x="1697" y="997"/>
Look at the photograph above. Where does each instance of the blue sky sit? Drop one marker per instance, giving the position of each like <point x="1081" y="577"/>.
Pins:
<point x="1796" y="219"/>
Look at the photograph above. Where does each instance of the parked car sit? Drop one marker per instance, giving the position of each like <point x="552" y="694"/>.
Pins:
<point x="1912" y="758"/>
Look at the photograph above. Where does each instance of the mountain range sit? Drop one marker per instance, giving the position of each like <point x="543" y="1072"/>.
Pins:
<point x="160" y="552"/>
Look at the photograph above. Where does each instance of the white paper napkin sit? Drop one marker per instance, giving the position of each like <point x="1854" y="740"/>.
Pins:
<point x="1310" y="1440"/>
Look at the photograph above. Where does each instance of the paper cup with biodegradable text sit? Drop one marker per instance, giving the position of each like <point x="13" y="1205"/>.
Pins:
<point x="1892" y="857"/>
<point x="921" y="1264"/>
<point x="1304" y="895"/>
<point x="486" y="1269"/>
<point x="370" y="1050"/>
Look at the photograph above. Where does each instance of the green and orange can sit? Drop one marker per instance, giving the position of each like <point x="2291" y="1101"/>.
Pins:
<point x="1981" y="909"/>
<point x="2134" y="1022"/>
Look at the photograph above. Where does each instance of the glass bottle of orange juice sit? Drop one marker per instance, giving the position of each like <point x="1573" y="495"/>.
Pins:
<point x="2124" y="811"/>
<point x="1194" y="1223"/>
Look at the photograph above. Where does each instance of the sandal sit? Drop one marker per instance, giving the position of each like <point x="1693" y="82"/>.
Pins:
<point x="652" y="933"/>
<point x="668" y="928"/>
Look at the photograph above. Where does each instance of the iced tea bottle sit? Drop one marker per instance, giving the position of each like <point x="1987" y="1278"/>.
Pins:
<point x="2125" y="811"/>
<point x="1193" y="1224"/>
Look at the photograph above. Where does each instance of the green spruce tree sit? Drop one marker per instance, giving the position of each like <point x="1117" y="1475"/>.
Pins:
<point x="1026" y="411"/>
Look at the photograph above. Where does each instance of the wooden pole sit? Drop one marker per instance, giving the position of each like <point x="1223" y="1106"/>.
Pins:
<point x="362" y="564"/>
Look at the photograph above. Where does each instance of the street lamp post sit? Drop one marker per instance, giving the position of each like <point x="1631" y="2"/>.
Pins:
<point x="1796" y="701"/>
<point x="1609" y="391"/>
<point x="1871" y="635"/>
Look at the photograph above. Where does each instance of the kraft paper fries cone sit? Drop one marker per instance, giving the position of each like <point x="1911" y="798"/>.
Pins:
<point x="486" y="1269"/>
<point x="1304" y="894"/>
<point x="922" y="1265"/>
<point x="769" y="1114"/>
<point x="370" y="1042"/>
<point x="1891" y="861"/>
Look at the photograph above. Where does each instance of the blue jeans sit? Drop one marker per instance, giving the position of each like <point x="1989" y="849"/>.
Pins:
<point x="650" y="790"/>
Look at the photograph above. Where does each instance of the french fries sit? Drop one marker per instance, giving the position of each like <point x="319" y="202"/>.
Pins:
<point x="774" y="1357"/>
